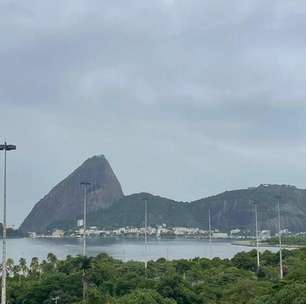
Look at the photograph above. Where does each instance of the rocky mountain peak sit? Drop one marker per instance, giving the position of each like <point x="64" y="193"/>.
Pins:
<point x="65" y="201"/>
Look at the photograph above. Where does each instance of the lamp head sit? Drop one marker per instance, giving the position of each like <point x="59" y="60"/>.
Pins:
<point x="7" y="147"/>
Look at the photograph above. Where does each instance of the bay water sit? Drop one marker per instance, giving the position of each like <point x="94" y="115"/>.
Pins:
<point x="124" y="249"/>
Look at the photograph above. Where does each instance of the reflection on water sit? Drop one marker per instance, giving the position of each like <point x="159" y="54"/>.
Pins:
<point x="124" y="249"/>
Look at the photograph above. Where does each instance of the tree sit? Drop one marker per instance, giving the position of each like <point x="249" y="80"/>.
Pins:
<point x="144" y="297"/>
<point x="34" y="267"/>
<point x="52" y="259"/>
<point x="9" y="266"/>
<point x="23" y="266"/>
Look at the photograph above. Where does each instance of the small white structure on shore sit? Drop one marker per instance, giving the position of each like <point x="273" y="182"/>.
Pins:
<point x="219" y="235"/>
<point x="265" y="235"/>
<point x="58" y="233"/>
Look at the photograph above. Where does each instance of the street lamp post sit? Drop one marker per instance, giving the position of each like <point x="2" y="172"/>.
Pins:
<point x="85" y="185"/>
<point x="210" y="234"/>
<point x="4" y="148"/>
<point x="145" y="232"/>
<point x="281" y="273"/>
<point x="256" y="230"/>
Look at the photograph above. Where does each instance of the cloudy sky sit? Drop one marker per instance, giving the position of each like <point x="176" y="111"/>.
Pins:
<point x="186" y="98"/>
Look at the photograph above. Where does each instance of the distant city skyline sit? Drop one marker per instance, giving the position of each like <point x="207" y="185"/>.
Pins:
<point x="185" y="99"/>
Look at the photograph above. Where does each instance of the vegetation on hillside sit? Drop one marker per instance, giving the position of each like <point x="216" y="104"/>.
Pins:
<point x="196" y="281"/>
<point x="229" y="210"/>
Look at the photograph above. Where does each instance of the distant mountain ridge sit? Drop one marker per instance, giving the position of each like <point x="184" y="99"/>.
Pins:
<point x="229" y="210"/>
<point x="108" y="207"/>
<point x="235" y="209"/>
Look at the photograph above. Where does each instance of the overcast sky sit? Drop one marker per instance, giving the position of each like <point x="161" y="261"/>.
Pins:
<point x="185" y="98"/>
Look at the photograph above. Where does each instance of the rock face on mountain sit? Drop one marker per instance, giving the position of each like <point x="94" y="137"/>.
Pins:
<point x="64" y="203"/>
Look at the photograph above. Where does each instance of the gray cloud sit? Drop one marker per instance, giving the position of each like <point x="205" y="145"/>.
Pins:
<point x="185" y="98"/>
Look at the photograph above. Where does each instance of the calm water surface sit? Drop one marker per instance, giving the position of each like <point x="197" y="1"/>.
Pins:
<point x="124" y="249"/>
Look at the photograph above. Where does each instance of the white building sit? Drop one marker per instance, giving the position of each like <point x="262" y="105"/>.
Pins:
<point x="80" y="223"/>
<point x="265" y="234"/>
<point x="219" y="235"/>
<point x="185" y="231"/>
<point x="58" y="233"/>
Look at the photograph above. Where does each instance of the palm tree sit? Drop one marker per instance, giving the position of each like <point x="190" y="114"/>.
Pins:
<point x="16" y="271"/>
<point x="45" y="266"/>
<point x="52" y="259"/>
<point x="9" y="266"/>
<point x="23" y="266"/>
<point x="34" y="266"/>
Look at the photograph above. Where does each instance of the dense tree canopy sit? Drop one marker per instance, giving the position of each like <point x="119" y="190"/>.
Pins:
<point x="196" y="281"/>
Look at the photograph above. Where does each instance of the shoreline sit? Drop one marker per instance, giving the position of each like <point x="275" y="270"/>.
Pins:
<point x="263" y="244"/>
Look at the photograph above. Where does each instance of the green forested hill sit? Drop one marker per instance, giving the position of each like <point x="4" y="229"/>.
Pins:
<point x="229" y="210"/>
<point x="233" y="209"/>
<point x="130" y="210"/>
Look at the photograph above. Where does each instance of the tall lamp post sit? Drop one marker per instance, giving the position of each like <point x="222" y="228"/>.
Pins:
<point x="256" y="230"/>
<point x="85" y="185"/>
<point x="145" y="233"/>
<point x="281" y="273"/>
<point x="4" y="148"/>
<point x="210" y="234"/>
